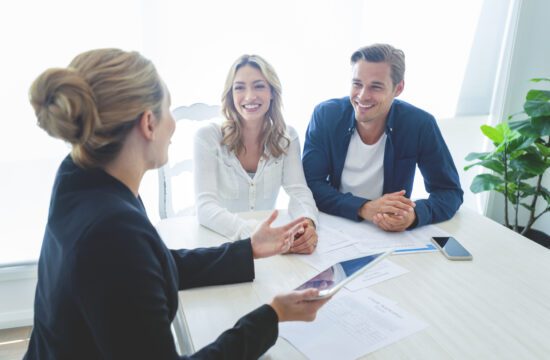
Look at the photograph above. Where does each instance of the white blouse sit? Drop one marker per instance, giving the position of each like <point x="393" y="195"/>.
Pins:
<point x="223" y="187"/>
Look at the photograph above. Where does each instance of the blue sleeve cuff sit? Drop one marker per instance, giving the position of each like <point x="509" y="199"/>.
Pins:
<point x="351" y="206"/>
<point x="422" y="214"/>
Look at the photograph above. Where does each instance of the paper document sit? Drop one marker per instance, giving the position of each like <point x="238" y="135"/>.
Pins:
<point x="369" y="237"/>
<point x="383" y="271"/>
<point x="332" y="239"/>
<point x="350" y="326"/>
<point x="322" y="260"/>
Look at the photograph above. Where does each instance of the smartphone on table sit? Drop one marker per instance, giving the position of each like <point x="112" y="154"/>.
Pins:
<point x="451" y="248"/>
<point x="335" y="277"/>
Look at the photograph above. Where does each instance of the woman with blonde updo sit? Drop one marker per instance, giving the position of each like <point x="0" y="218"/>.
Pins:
<point x="107" y="284"/>
<point x="242" y="164"/>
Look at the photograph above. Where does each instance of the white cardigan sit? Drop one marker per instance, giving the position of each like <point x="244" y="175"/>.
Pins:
<point x="222" y="186"/>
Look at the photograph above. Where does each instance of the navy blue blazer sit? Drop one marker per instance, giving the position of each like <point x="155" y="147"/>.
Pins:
<point x="413" y="138"/>
<point x="108" y="286"/>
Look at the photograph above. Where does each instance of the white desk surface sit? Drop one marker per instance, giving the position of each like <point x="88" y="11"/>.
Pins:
<point x="494" y="307"/>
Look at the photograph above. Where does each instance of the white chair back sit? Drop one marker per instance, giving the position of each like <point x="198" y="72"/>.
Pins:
<point x="176" y="177"/>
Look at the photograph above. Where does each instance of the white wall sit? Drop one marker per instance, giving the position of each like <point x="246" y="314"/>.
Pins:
<point x="477" y="85"/>
<point x="530" y="58"/>
<point x="455" y="130"/>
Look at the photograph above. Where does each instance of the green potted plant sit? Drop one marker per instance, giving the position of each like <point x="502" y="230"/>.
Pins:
<point x="519" y="161"/>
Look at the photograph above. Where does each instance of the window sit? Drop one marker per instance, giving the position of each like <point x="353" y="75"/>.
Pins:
<point x="38" y="35"/>
<point x="193" y="45"/>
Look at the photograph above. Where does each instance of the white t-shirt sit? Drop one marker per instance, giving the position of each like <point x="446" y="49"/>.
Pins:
<point x="363" y="173"/>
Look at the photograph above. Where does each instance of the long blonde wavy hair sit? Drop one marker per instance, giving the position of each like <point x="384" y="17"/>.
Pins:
<point x="273" y="134"/>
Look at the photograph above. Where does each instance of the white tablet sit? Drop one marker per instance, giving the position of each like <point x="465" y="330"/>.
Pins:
<point x="335" y="277"/>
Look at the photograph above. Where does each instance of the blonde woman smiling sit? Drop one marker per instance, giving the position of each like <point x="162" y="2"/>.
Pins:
<point x="241" y="165"/>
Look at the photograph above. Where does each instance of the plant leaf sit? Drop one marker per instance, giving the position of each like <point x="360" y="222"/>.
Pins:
<point x="541" y="125"/>
<point x="490" y="164"/>
<point x="529" y="163"/>
<point x="526" y="191"/>
<point x="485" y="182"/>
<point x="545" y="194"/>
<point x="527" y="206"/>
<point x="537" y="103"/>
<point x="539" y="79"/>
<point x="519" y="143"/>
<point x="493" y="133"/>
<point x="495" y="165"/>
<point x="476" y="155"/>
<point x="512" y="197"/>
<point x="539" y="95"/>
<point x="468" y="167"/>
<point x="514" y="176"/>
<point x="524" y="127"/>
<point x="532" y="127"/>
<point x="544" y="150"/>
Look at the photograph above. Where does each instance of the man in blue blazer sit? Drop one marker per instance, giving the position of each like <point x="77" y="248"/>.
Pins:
<point x="361" y="151"/>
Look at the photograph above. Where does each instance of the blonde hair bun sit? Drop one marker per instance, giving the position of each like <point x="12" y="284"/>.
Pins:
<point x="96" y="101"/>
<point x="64" y="105"/>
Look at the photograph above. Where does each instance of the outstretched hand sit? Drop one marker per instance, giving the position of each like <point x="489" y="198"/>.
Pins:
<point x="267" y="241"/>
<point x="297" y="305"/>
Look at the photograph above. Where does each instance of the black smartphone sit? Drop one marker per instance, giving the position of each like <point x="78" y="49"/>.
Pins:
<point x="451" y="248"/>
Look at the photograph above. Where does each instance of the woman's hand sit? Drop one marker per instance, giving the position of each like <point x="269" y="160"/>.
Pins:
<point x="295" y="306"/>
<point x="267" y="241"/>
<point x="306" y="242"/>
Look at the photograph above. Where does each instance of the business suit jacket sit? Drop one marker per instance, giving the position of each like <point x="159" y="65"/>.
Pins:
<point x="413" y="138"/>
<point x="108" y="286"/>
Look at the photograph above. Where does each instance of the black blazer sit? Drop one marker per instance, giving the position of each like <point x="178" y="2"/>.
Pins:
<point x="108" y="286"/>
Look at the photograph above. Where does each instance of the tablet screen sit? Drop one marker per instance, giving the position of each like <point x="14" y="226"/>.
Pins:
<point x="338" y="273"/>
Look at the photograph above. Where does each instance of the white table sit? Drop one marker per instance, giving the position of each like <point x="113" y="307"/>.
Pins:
<point x="494" y="307"/>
